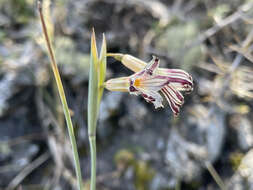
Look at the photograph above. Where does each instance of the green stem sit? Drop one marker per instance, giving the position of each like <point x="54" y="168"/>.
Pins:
<point x="92" y="140"/>
<point x="63" y="98"/>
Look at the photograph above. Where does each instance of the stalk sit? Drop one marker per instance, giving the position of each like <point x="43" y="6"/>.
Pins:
<point x="93" y="107"/>
<point x="96" y="80"/>
<point x="62" y="97"/>
<point x="92" y="140"/>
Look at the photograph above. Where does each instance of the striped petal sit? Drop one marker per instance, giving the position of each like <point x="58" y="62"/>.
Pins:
<point x="147" y="79"/>
<point x="152" y="97"/>
<point x="174" y="98"/>
<point x="180" y="79"/>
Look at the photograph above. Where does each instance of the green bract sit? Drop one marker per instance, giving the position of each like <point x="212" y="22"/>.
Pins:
<point x="96" y="80"/>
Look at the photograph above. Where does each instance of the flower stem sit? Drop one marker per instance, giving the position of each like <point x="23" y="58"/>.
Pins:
<point x="62" y="97"/>
<point x="92" y="140"/>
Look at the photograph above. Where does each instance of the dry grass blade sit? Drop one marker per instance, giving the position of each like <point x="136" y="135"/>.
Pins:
<point x="62" y="96"/>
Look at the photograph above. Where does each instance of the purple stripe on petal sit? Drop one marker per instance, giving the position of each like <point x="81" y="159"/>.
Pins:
<point x="178" y="94"/>
<point x="144" y="95"/>
<point x="178" y="71"/>
<point x="155" y="65"/>
<point x="175" y="73"/>
<point x="186" y="84"/>
<point x="183" y="82"/>
<point x="173" y="96"/>
<point x="175" y="108"/>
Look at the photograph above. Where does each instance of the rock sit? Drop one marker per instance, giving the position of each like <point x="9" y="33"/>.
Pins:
<point x="75" y="64"/>
<point x="109" y="105"/>
<point x="19" y="156"/>
<point x="24" y="153"/>
<point x="136" y="114"/>
<point x="6" y="91"/>
<point x="109" y="108"/>
<point x="243" y="178"/>
<point x="215" y="133"/>
<point x="244" y="131"/>
<point x="15" y="72"/>
<point x="208" y="124"/>
<point x="174" y="40"/>
<point x="180" y="163"/>
<point x="198" y="139"/>
<point x="160" y="182"/>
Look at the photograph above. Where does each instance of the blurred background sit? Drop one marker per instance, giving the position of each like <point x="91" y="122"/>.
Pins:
<point x="139" y="148"/>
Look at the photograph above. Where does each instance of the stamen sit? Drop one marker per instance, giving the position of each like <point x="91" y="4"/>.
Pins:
<point x="132" y="89"/>
<point x="151" y="98"/>
<point x="137" y="82"/>
<point x="144" y="95"/>
<point x="150" y="72"/>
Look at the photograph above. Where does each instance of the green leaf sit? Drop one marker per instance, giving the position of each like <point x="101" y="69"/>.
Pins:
<point x="93" y="87"/>
<point x="102" y="69"/>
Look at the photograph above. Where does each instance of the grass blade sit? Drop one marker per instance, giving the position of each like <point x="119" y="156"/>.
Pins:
<point x="62" y="97"/>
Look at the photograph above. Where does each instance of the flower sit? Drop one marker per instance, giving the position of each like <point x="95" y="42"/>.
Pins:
<point x="150" y="82"/>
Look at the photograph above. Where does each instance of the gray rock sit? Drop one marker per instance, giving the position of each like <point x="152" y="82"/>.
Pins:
<point x="19" y="156"/>
<point x="159" y="182"/>
<point x="6" y="91"/>
<point x="243" y="178"/>
<point x="18" y="70"/>
<point x="198" y="139"/>
<point x="136" y="114"/>
<point x="244" y="131"/>
<point x="179" y="160"/>
<point x="215" y="133"/>
<point x="109" y="105"/>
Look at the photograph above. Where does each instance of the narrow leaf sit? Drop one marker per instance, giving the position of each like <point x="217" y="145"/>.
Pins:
<point x="93" y="87"/>
<point x="102" y="69"/>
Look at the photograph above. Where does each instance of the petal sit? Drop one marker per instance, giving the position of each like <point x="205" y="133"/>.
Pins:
<point x="174" y="72"/>
<point x="181" y="87"/>
<point x="152" y="97"/>
<point x="181" y="84"/>
<point x="133" y="63"/>
<point x="179" y="79"/>
<point x="152" y="66"/>
<point x="174" y="98"/>
<point x="148" y="79"/>
<point x="175" y="94"/>
<point x="153" y="83"/>
<point x="118" y="84"/>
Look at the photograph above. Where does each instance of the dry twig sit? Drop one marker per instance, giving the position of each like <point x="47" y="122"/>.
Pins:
<point x="27" y="170"/>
